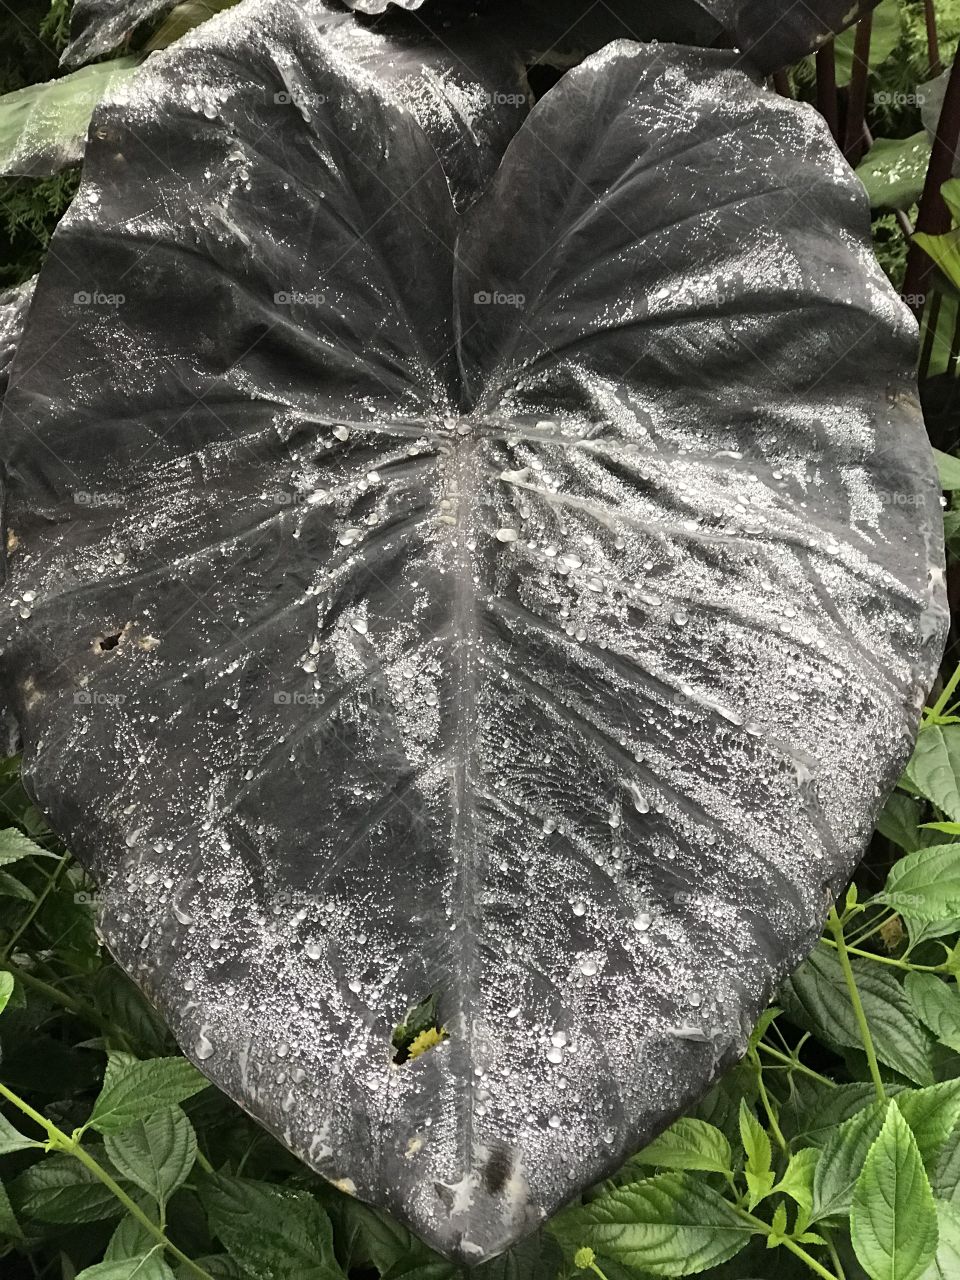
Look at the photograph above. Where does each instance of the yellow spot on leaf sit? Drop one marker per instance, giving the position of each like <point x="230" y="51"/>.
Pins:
<point x="426" y="1040"/>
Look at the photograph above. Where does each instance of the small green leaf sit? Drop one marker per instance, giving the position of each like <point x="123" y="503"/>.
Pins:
<point x="938" y="1006"/>
<point x="11" y="887"/>
<point x="899" y="821"/>
<point x="150" y="1266"/>
<point x="672" y="1224"/>
<point x="798" y="1178"/>
<point x="688" y="1144"/>
<point x="157" y="1152"/>
<point x="925" y="885"/>
<point x="893" y="1218"/>
<point x="14" y="845"/>
<point x="12" y="1139"/>
<point x="60" y="1189"/>
<point x="764" y="1023"/>
<point x="134" y="1090"/>
<point x="6" y="988"/>
<point x="935" y="767"/>
<point x="778" y="1227"/>
<point x="756" y="1144"/>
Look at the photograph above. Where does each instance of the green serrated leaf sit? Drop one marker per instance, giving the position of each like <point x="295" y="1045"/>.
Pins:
<point x="9" y="1226"/>
<point x="14" y="845"/>
<point x="937" y="1005"/>
<point x="150" y="1266"/>
<point x="925" y="885"/>
<point x="899" y="821"/>
<point x="156" y="1153"/>
<point x="935" y="767"/>
<point x="816" y="997"/>
<point x="688" y="1144"/>
<point x="6" y="988"/>
<point x="798" y="1179"/>
<point x="946" y="1265"/>
<point x="842" y="1163"/>
<point x="756" y="1144"/>
<point x="133" y="1090"/>
<point x="11" y="1139"/>
<point x="270" y="1231"/>
<point x="932" y="1115"/>
<point x="893" y="1218"/>
<point x="672" y="1224"/>
<point x="60" y="1189"/>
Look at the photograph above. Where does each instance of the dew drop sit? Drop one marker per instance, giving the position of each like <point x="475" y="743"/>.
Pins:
<point x="507" y="534"/>
<point x="203" y="1048"/>
<point x="588" y="968"/>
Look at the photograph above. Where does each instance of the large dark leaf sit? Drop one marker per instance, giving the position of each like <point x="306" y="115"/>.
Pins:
<point x="774" y="33"/>
<point x="529" y="605"/>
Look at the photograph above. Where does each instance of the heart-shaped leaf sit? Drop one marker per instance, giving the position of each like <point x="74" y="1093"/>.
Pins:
<point x="511" y="608"/>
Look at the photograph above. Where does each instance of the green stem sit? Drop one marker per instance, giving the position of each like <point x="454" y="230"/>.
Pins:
<point x="765" y="1101"/>
<point x="836" y="929"/>
<point x="868" y="933"/>
<point x="948" y="691"/>
<point x="60" y="1141"/>
<point x="834" y="1256"/>
<point x="792" y="1245"/>
<point x="66" y="1001"/>
<point x="891" y="961"/>
<point x="796" y="1065"/>
<point x="52" y="881"/>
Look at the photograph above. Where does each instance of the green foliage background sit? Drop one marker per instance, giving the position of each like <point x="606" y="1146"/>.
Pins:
<point x="832" y="1150"/>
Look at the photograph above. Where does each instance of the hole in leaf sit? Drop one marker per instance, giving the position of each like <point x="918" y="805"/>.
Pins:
<point x="103" y="643"/>
<point x="418" y="1033"/>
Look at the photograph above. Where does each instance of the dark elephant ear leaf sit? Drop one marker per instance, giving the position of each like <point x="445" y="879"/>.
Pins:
<point x="14" y="305"/>
<point x="774" y="33"/>
<point x="468" y="639"/>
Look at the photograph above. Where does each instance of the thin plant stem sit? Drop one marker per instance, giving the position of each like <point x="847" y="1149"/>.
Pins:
<point x="837" y="929"/>
<point x="57" y="1140"/>
<point x="765" y="1103"/>
<point x="52" y="881"/>
<point x="794" y="1248"/>
<point x="891" y="961"/>
<point x="827" y="87"/>
<point x="857" y="94"/>
<point x="796" y="1065"/>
